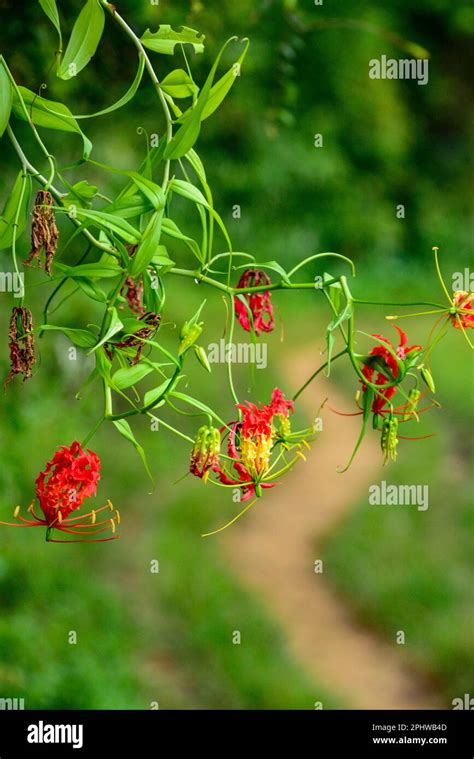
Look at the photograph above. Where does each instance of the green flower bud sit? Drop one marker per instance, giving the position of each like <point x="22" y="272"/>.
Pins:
<point x="201" y="356"/>
<point x="389" y="440"/>
<point x="427" y="378"/>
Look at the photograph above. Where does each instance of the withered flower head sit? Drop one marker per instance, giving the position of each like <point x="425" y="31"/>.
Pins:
<point x="44" y="232"/>
<point x="134" y="294"/>
<point x="134" y="288"/>
<point x="21" y="343"/>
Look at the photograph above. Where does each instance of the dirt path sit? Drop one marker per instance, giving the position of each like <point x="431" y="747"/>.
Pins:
<point x="273" y="550"/>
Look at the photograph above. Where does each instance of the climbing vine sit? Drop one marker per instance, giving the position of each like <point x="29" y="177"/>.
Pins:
<point x="122" y="263"/>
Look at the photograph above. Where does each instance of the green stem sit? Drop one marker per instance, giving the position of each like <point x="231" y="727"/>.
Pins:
<point x="59" y="286"/>
<point x="53" y="190"/>
<point x="138" y="44"/>
<point x="38" y="139"/>
<point x="230" y="377"/>
<point x="315" y="374"/>
<point x="169" y="427"/>
<point x="396" y="303"/>
<point x="15" y="228"/>
<point x="440" y="276"/>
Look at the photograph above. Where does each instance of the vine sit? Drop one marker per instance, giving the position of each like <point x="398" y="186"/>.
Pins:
<point x="122" y="263"/>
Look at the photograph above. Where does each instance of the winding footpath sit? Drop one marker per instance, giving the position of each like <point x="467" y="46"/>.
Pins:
<point x="273" y="549"/>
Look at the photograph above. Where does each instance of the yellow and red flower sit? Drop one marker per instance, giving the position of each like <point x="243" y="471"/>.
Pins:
<point x="464" y="313"/>
<point x="250" y="443"/>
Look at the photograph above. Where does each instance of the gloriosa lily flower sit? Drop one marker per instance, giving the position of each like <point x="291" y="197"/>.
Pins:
<point x="386" y="368"/>
<point x="259" y="304"/>
<point x="67" y="480"/>
<point x="251" y="441"/>
<point x="464" y="314"/>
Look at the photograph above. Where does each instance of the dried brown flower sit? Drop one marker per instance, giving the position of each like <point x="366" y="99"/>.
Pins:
<point x="134" y="293"/>
<point x="21" y="343"/>
<point x="44" y="232"/>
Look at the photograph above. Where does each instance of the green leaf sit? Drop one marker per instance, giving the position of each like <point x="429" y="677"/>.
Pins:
<point x="197" y="404"/>
<point x="334" y="291"/>
<point x="275" y="266"/>
<point x="165" y="39"/>
<point x="91" y="289"/>
<point x="80" y="337"/>
<point x="188" y="133"/>
<point x="154" y="396"/>
<point x="126" y="431"/>
<point x="345" y="314"/>
<point x="94" y="271"/>
<point x="131" y="92"/>
<point x="329" y="349"/>
<point x="147" y="248"/>
<point x="131" y="375"/>
<point x="80" y="194"/>
<point x="188" y="191"/>
<point x="6" y="98"/>
<point x="110" y="223"/>
<point x="192" y="193"/>
<point x="152" y="191"/>
<point x="7" y="219"/>
<point x="222" y="87"/>
<point x="84" y="40"/>
<point x="178" y="84"/>
<point x="161" y="257"/>
<point x="197" y="165"/>
<point x="48" y="114"/>
<point x="171" y="229"/>
<point x="130" y="207"/>
<point x="51" y="10"/>
<point x="114" y="327"/>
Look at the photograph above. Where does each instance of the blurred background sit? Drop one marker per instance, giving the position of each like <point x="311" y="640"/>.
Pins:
<point x="307" y="638"/>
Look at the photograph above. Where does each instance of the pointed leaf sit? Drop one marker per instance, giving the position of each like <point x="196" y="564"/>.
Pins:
<point x="147" y="248"/>
<point x="7" y="219"/>
<point x="165" y="39"/>
<point x="6" y="99"/>
<point x="178" y="84"/>
<point x="222" y="87"/>
<point x="51" y="10"/>
<point x="80" y="337"/>
<point x="48" y="114"/>
<point x="130" y="375"/>
<point x="126" y="431"/>
<point x="85" y="37"/>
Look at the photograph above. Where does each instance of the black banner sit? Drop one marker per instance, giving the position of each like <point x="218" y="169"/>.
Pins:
<point x="327" y="733"/>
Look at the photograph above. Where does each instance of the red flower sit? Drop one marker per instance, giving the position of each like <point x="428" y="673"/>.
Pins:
<point x="251" y="441"/>
<point x="68" y="479"/>
<point x="386" y="394"/>
<point x="259" y="303"/>
<point x="465" y="316"/>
